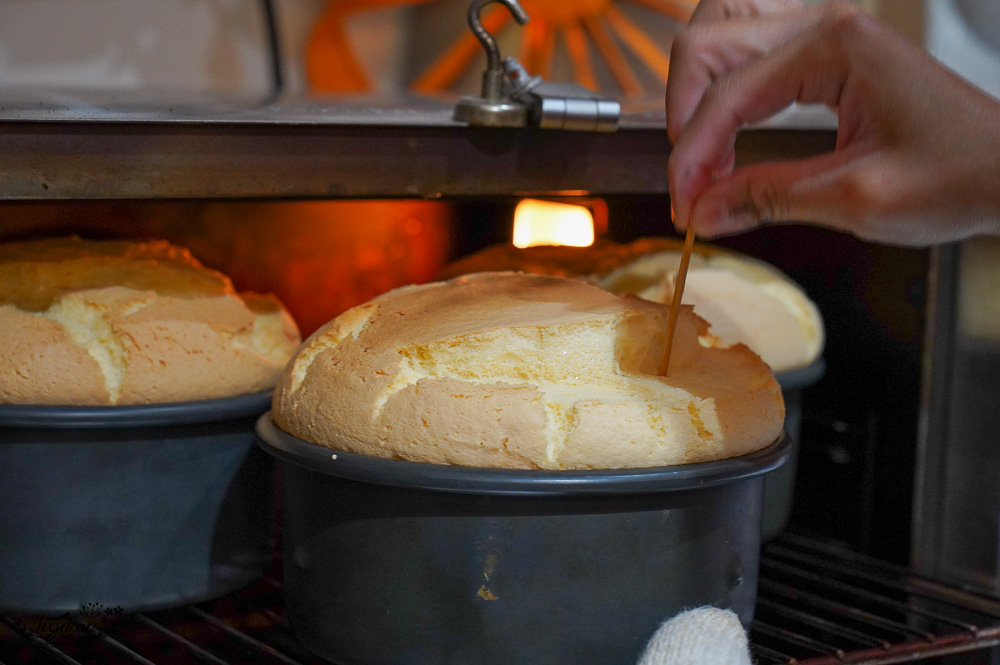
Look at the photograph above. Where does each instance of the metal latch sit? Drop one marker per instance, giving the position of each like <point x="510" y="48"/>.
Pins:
<point x="511" y="97"/>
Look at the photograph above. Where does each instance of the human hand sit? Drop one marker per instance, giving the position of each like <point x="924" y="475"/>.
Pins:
<point x="917" y="158"/>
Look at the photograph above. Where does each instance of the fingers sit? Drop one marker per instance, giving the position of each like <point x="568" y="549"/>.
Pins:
<point x="811" y="68"/>
<point x="706" y="52"/>
<point x="821" y="189"/>
<point x="719" y="10"/>
<point x="888" y="180"/>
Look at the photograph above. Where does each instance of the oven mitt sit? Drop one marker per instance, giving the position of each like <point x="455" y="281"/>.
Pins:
<point x="699" y="637"/>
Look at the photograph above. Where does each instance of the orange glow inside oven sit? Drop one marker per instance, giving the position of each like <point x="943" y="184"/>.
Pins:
<point x="551" y="223"/>
<point x="319" y="258"/>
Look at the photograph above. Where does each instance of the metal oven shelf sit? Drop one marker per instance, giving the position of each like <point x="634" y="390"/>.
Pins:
<point x="68" y="147"/>
<point x="818" y="605"/>
<point x="823" y="605"/>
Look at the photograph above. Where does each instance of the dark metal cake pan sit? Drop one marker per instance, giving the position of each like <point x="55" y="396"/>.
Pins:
<point x="132" y="507"/>
<point x="779" y="487"/>
<point x="403" y="563"/>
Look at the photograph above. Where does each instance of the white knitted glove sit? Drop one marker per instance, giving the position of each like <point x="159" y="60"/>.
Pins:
<point x="703" y="636"/>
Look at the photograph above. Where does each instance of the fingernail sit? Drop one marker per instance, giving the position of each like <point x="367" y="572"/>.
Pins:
<point x="680" y="215"/>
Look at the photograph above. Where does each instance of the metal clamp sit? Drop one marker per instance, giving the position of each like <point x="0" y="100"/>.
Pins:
<point x="513" y="98"/>
<point x="562" y="105"/>
<point x="493" y="108"/>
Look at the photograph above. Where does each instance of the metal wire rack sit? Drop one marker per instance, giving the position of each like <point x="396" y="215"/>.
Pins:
<point x="817" y="605"/>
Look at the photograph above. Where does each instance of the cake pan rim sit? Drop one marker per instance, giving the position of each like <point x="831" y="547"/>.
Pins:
<point x="801" y="377"/>
<point x="515" y="482"/>
<point x="134" y="415"/>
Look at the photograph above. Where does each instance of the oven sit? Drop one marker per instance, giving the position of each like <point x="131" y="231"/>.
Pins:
<point x="889" y="553"/>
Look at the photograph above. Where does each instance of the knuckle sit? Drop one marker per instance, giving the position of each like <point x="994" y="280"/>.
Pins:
<point x="766" y="202"/>
<point x="869" y="196"/>
<point x="861" y="188"/>
<point x="689" y="43"/>
<point x="847" y="22"/>
<point x="722" y="98"/>
<point x="771" y="6"/>
<point x="841" y="9"/>
<point x="716" y="92"/>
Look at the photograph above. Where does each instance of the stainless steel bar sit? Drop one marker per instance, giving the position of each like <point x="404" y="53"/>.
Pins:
<point x="801" y="640"/>
<point x="939" y="363"/>
<point x="823" y="624"/>
<point x="194" y="648"/>
<point x="974" y="593"/>
<point x="97" y="633"/>
<point x="58" y="161"/>
<point x="38" y="642"/>
<point x="250" y="606"/>
<point x="867" y="595"/>
<point x="967" y="595"/>
<point x="838" y="552"/>
<point x="276" y="618"/>
<point x="907" y="653"/>
<point x="770" y="656"/>
<point x="269" y="650"/>
<point x="905" y="586"/>
<point x="968" y="599"/>
<point x="836" y="607"/>
<point x="209" y="162"/>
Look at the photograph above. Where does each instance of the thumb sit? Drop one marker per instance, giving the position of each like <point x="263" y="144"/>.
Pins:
<point x="812" y="190"/>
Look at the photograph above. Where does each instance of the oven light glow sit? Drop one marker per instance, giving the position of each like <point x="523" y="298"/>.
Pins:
<point x="550" y="223"/>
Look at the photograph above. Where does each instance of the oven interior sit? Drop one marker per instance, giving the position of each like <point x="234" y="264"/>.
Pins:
<point x="347" y="199"/>
<point x="836" y="586"/>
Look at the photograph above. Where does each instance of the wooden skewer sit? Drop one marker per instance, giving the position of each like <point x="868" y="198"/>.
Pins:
<point x="682" y="271"/>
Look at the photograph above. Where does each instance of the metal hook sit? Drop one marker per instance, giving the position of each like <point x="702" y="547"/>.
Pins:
<point x="493" y="76"/>
<point x="512" y="98"/>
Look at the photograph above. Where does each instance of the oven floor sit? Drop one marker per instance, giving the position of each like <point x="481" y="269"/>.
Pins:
<point x="817" y="605"/>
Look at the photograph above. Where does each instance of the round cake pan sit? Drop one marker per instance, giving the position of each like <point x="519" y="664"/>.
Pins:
<point x="403" y="563"/>
<point x="779" y="487"/>
<point x="132" y="507"/>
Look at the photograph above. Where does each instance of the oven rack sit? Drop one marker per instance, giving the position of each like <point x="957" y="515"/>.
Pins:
<point x="88" y="145"/>
<point x="818" y="604"/>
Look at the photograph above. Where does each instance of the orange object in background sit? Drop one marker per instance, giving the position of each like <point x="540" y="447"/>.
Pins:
<point x="331" y="64"/>
<point x="588" y="31"/>
<point x="586" y="28"/>
<point x="319" y="257"/>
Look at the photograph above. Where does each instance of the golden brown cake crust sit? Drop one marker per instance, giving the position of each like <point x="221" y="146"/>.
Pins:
<point x="557" y="260"/>
<point x="524" y="371"/>
<point x="744" y="299"/>
<point x="112" y="322"/>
